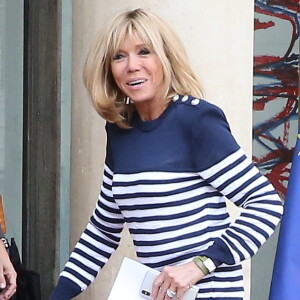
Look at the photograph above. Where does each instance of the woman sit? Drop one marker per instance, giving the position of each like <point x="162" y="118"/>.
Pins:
<point x="170" y="162"/>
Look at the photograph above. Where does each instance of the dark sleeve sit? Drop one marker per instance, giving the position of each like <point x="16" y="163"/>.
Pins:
<point x="223" y="164"/>
<point x="212" y="138"/>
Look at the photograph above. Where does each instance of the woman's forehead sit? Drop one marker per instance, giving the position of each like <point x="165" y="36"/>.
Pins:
<point x="134" y="39"/>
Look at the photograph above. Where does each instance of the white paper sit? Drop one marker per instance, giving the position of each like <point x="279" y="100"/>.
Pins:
<point x="128" y="282"/>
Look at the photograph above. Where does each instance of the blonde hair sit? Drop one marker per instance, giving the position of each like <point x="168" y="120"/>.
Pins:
<point x="107" y="98"/>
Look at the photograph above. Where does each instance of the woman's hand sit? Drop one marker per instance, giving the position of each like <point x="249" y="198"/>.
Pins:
<point x="8" y="276"/>
<point x="177" y="279"/>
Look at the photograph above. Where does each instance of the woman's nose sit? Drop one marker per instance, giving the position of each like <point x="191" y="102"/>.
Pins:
<point x="133" y="63"/>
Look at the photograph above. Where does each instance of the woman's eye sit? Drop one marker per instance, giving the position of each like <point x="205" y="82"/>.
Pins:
<point x="144" y="51"/>
<point x="118" y="56"/>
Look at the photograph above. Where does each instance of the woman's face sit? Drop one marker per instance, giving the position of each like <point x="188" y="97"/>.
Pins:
<point x="138" y="71"/>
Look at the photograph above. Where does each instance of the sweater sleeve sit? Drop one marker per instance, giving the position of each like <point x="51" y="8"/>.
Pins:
<point x="99" y="240"/>
<point x="223" y="164"/>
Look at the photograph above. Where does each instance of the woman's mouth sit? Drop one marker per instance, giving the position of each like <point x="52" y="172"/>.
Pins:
<point x="136" y="82"/>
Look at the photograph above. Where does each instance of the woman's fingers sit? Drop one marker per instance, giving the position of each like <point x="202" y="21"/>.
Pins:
<point x="171" y="293"/>
<point x="157" y="286"/>
<point x="176" y="280"/>
<point x="162" y="293"/>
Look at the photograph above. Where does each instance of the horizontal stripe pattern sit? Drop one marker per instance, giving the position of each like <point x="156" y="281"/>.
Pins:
<point x="173" y="216"/>
<point x="99" y="240"/>
<point x="252" y="191"/>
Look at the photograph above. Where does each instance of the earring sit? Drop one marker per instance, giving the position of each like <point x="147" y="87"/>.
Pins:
<point x="127" y="100"/>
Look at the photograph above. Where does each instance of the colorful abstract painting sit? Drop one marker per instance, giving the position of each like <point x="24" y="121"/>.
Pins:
<point x="276" y="88"/>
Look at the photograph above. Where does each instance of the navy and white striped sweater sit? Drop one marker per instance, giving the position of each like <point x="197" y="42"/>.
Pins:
<point x="168" y="180"/>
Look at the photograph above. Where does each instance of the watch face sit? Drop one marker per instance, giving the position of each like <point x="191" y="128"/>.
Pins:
<point x="209" y="264"/>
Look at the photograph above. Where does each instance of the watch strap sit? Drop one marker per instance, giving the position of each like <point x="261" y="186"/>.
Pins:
<point x="198" y="261"/>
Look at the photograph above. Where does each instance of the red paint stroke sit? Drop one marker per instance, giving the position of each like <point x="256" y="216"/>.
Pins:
<point x="277" y="119"/>
<point x="287" y="77"/>
<point x="266" y="59"/>
<point x="278" y="179"/>
<point x="290" y="4"/>
<point x="259" y="105"/>
<point x="287" y="126"/>
<point x="262" y="25"/>
<point x="282" y="16"/>
<point x="271" y="93"/>
<point x="283" y="85"/>
<point x="279" y="174"/>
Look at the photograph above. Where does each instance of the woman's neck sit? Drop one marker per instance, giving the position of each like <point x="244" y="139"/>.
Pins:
<point x="151" y="110"/>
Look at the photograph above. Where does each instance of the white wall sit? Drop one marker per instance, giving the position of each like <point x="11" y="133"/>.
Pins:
<point x="218" y="38"/>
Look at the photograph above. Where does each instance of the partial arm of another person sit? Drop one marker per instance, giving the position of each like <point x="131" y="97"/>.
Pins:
<point x="8" y="275"/>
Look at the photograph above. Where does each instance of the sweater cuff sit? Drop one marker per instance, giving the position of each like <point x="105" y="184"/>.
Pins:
<point x="219" y="253"/>
<point x="65" y="290"/>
